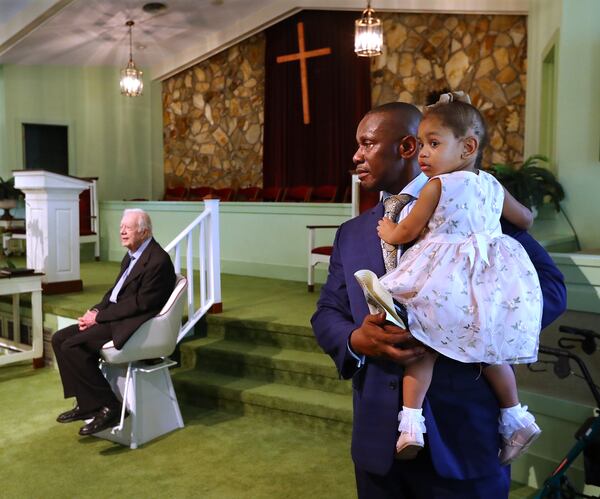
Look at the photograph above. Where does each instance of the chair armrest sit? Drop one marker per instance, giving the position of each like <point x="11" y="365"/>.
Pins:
<point x="157" y="337"/>
<point x="322" y="226"/>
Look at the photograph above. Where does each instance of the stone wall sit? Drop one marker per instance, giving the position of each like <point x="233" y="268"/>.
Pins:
<point x="483" y="55"/>
<point x="213" y="112"/>
<point x="213" y="119"/>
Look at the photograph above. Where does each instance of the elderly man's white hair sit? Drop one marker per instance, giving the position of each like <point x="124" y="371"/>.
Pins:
<point x="143" y="219"/>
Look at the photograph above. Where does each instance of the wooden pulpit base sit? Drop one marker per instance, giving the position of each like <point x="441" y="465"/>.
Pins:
<point x="59" y="288"/>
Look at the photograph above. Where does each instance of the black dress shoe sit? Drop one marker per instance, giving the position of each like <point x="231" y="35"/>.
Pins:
<point x="106" y="417"/>
<point x="75" y="414"/>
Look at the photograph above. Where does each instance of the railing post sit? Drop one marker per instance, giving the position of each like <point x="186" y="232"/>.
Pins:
<point x="214" y="254"/>
<point x="355" y="189"/>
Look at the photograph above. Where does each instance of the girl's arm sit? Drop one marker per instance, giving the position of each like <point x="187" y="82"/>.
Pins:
<point x="516" y="213"/>
<point x="410" y="228"/>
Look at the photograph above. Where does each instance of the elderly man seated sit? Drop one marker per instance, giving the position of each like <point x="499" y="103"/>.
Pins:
<point x="142" y="287"/>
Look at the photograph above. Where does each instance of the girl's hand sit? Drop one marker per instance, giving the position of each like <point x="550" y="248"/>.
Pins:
<point x="385" y="230"/>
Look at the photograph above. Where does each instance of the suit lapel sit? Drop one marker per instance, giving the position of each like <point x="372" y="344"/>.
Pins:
<point x="138" y="268"/>
<point x="372" y="241"/>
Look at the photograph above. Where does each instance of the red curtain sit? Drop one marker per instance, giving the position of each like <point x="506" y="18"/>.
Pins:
<point x="339" y="95"/>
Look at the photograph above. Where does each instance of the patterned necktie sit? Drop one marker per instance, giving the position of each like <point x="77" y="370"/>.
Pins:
<point x="393" y="206"/>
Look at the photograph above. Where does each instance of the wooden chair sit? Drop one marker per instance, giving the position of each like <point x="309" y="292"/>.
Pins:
<point x="271" y="194"/>
<point x="178" y="193"/>
<point x="199" y="193"/>
<point x="316" y="254"/>
<point x="297" y="194"/>
<point x="248" y="194"/>
<point x="322" y="254"/>
<point x="89" y="222"/>
<point x="324" y="194"/>
<point x="225" y="194"/>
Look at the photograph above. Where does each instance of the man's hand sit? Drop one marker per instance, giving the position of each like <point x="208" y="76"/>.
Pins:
<point x="88" y="320"/>
<point x="385" y="230"/>
<point x="378" y="338"/>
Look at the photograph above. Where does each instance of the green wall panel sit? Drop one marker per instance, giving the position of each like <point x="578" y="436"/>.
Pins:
<point x="259" y="239"/>
<point x="109" y="134"/>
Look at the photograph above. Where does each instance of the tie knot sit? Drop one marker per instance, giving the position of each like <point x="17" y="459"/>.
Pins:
<point x="393" y="205"/>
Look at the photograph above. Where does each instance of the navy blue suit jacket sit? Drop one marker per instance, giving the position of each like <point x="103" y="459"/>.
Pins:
<point x="460" y="409"/>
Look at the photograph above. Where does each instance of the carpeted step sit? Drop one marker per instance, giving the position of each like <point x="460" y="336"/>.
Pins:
<point x="263" y="333"/>
<point x="266" y="363"/>
<point x="315" y="408"/>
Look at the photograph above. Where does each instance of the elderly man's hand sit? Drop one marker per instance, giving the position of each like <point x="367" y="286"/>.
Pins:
<point x="88" y="320"/>
<point x="378" y="338"/>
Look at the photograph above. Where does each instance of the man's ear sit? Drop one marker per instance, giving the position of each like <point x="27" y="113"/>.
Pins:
<point x="408" y="147"/>
<point x="470" y="146"/>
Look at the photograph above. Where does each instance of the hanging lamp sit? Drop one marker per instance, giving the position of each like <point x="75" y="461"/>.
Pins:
<point x="131" y="77"/>
<point x="368" y="34"/>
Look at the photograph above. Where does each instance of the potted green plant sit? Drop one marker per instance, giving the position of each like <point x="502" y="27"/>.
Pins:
<point x="9" y="195"/>
<point x="531" y="184"/>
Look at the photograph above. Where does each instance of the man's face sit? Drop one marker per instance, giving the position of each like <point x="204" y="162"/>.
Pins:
<point x="377" y="159"/>
<point x="130" y="237"/>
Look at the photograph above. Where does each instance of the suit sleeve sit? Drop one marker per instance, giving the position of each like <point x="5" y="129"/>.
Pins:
<point x="552" y="282"/>
<point x="332" y="322"/>
<point x="156" y="286"/>
<point x="105" y="301"/>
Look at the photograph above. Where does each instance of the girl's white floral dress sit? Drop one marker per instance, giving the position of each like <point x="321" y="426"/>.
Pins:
<point x="472" y="293"/>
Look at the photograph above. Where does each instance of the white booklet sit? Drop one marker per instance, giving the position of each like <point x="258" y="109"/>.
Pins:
<point x="378" y="298"/>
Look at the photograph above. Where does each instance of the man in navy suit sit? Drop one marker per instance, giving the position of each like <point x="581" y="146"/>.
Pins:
<point x="460" y="459"/>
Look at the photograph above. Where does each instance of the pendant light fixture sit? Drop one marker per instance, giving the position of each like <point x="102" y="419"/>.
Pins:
<point x="131" y="77"/>
<point x="368" y="34"/>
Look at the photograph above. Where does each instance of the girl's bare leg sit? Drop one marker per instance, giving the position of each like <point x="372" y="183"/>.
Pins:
<point x="416" y="381"/>
<point x="417" y="378"/>
<point x="504" y="384"/>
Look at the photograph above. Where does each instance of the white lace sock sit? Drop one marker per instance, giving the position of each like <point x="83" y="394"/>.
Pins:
<point x="513" y="418"/>
<point x="411" y="420"/>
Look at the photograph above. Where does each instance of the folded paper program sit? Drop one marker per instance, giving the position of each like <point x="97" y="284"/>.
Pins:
<point x="378" y="298"/>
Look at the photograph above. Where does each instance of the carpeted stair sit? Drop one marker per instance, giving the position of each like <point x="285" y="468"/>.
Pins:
<point x="257" y="367"/>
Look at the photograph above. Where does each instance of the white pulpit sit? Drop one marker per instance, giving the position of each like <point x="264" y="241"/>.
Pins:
<point x="52" y="227"/>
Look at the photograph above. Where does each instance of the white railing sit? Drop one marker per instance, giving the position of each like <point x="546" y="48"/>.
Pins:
<point x="199" y="244"/>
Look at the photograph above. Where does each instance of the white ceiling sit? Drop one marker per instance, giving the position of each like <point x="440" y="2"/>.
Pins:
<point x="10" y="8"/>
<point x="93" y="32"/>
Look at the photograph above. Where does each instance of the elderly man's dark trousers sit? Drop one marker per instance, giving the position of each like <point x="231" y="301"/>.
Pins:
<point x="77" y="355"/>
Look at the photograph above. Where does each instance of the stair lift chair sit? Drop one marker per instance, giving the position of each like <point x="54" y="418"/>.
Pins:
<point x="146" y="388"/>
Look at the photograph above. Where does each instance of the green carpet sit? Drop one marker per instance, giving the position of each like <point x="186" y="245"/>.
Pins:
<point x="217" y="454"/>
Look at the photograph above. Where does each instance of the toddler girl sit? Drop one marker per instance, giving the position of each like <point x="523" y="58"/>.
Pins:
<point x="471" y="293"/>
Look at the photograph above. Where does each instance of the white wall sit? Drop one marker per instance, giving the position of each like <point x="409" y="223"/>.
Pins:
<point x="543" y="25"/>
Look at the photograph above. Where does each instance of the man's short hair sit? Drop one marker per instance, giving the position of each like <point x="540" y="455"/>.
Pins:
<point x="143" y="219"/>
<point x="391" y="107"/>
<point x="406" y="116"/>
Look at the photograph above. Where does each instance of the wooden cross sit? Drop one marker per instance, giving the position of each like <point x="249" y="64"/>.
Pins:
<point x="301" y="56"/>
